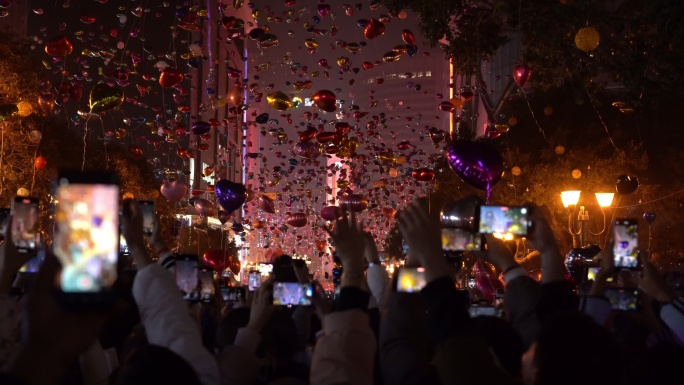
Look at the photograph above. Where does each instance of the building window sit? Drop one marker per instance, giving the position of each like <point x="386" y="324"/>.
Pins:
<point x="428" y="73"/>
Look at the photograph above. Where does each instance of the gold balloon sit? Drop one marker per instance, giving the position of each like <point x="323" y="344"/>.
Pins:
<point x="502" y="128"/>
<point x="456" y="102"/>
<point x="516" y="171"/>
<point x="25" y="109"/>
<point x="128" y="195"/>
<point x="235" y="96"/>
<point x="104" y="98"/>
<point x="390" y="57"/>
<point x="310" y="43"/>
<point x="342" y="61"/>
<point x="576" y="173"/>
<point x="587" y="39"/>
<point x="560" y="150"/>
<point x="279" y="101"/>
<point x="393" y="172"/>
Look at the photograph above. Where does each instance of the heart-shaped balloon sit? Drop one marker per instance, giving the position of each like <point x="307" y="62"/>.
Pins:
<point x="230" y="195"/>
<point x="174" y="191"/>
<point x="521" y="74"/>
<point x="222" y="216"/>
<point x="204" y="207"/>
<point x="60" y="47"/>
<point x="373" y="29"/>
<point x="104" y="97"/>
<point x="200" y="127"/>
<point x="325" y="100"/>
<point x="486" y="280"/>
<point x="407" y="37"/>
<point x="297" y="220"/>
<point x="170" y="77"/>
<point x="626" y="184"/>
<point x="266" y="204"/>
<point x="578" y="259"/>
<point x="216" y="258"/>
<point x="476" y="163"/>
<point x="331" y="213"/>
<point x="650" y="217"/>
<point x="437" y="135"/>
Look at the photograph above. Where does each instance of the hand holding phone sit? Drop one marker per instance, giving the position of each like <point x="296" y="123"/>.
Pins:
<point x="504" y="220"/>
<point x="187" y="276"/>
<point x="254" y="280"/>
<point x="292" y="294"/>
<point x="25" y="224"/>
<point x="624" y="299"/>
<point x="148" y="214"/>
<point x="206" y="278"/>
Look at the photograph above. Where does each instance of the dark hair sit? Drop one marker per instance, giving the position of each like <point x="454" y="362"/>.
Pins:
<point x="504" y="340"/>
<point x="573" y="349"/>
<point x="283" y="271"/>
<point x="153" y="364"/>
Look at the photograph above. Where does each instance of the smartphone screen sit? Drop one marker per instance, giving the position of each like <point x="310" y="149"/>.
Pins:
<point x="625" y="250"/>
<point x="460" y="240"/>
<point x="591" y="274"/>
<point x="292" y="294"/>
<point x="206" y="277"/>
<point x="411" y="279"/>
<point x="147" y="208"/>
<point x="187" y="276"/>
<point x="123" y="246"/>
<point x="24" y="223"/>
<point x="254" y="280"/>
<point x="623" y="299"/>
<point x="503" y="220"/>
<point x="476" y="311"/>
<point x="87" y="232"/>
<point x="4" y="219"/>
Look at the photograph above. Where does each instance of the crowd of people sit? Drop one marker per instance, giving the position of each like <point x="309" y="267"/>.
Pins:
<point x="547" y="334"/>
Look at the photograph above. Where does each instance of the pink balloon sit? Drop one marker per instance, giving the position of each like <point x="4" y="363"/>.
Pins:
<point x="331" y="213"/>
<point x="174" y="191"/>
<point x="486" y="279"/>
<point x="204" y="207"/>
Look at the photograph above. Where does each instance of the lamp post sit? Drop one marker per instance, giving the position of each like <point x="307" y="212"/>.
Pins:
<point x="570" y="200"/>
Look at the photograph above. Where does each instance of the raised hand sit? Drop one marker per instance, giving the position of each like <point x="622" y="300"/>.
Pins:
<point x="349" y="242"/>
<point x="653" y="284"/>
<point x="262" y="306"/>
<point x="370" y="248"/>
<point x="543" y="240"/>
<point x="499" y="254"/>
<point x="132" y="227"/>
<point x="422" y="234"/>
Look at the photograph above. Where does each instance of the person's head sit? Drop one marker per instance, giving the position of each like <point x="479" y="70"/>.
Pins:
<point x="237" y="318"/>
<point x="152" y="364"/>
<point x="572" y="349"/>
<point x="504" y="340"/>
<point x="283" y="271"/>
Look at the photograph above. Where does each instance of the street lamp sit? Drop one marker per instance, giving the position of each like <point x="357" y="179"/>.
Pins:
<point x="570" y="200"/>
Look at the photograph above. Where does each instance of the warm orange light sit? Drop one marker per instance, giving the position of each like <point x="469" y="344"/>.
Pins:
<point x="570" y="198"/>
<point x="605" y="199"/>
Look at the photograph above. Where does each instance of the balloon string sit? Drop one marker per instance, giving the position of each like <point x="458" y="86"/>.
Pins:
<point x="605" y="127"/>
<point x="651" y="201"/>
<point x="534" y="116"/>
<point x="2" y="154"/>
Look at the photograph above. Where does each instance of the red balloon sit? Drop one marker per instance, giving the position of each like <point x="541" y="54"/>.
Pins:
<point x="170" y="77"/>
<point x="59" y="46"/>
<point x="320" y="245"/>
<point x="486" y="280"/>
<point x="40" y="163"/>
<point x="326" y="137"/>
<point x="342" y="128"/>
<point x="217" y="259"/>
<point x="423" y="174"/>
<point x="135" y="151"/>
<point x="325" y="100"/>
<point x="266" y="204"/>
<point x="521" y="74"/>
<point x="373" y="29"/>
<point x="389" y="212"/>
<point x="331" y="213"/>
<point x="308" y="134"/>
<point x="297" y="220"/>
<point x="408" y="37"/>
<point x="354" y="202"/>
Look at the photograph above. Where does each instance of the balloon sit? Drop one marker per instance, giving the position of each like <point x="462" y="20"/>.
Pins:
<point x="649" y="216"/>
<point x="307" y="150"/>
<point x="174" y="191"/>
<point x="325" y="100"/>
<point x="230" y="195"/>
<point x="234" y="265"/>
<point x="626" y="184"/>
<point x="135" y="151"/>
<point x="170" y="77"/>
<point x="476" y="163"/>
<point x="200" y="127"/>
<point x="390" y="57"/>
<point x="407" y="37"/>
<point x="373" y="29"/>
<point x="297" y="220"/>
<point x="259" y="224"/>
<point x="578" y="259"/>
<point x="521" y="74"/>
<point x="462" y="214"/>
<point x="60" y="46"/>
<point x="237" y="227"/>
<point x="320" y="245"/>
<point x="411" y="50"/>
<point x="331" y="213"/>
<point x="104" y="98"/>
<point x="279" y="101"/>
<point x="423" y="174"/>
<point x="266" y="204"/>
<point x="389" y="212"/>
<point x="46" y="102"/>
<point x="354" y="202"/>
<point x="486" y="279"/>
<point x="268" y="40"/>
<point x="40" y="163"/>
<point x="223" y="216"/>
<point x="436" y="135"/>
<point x="217" y="259"/>
<point x="204" y="207"/>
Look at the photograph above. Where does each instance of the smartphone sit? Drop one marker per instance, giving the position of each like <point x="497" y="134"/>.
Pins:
<point x="504" y="220"/>
<point x="624" y="299"/>
<point x="591" y="274"/>
<point x="478" y="310"/>
<point x="87" y="236"/>
<point x="4" y="219"/>
<point x="626" y="247"/>
<point x="24" y="223"/>
<point x="254" y="280"/>
<point x="206" y="279"/>
<point x="460" y="240"/>
<point x="148" y="214"/>
<point x="292" y="294"/>
<point x="411" y="279"/>
<point x="471" y="282"/>
<point x="232" y="293"/>
<point x="187" y="276"/>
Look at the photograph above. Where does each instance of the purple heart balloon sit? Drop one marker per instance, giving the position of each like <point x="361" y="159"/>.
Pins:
<point x="650" y="216"/>
<point x="476" y="163"/>
<point x="200" y="127"/>
<point x="230" y="195"/>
